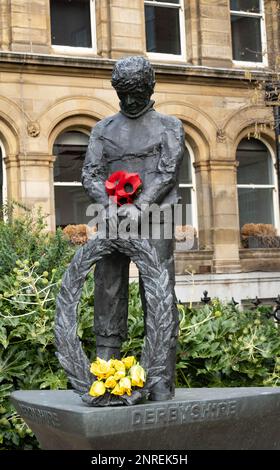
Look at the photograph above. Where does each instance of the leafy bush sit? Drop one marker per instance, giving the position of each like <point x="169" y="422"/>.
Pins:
<point x="218" y="344"/>
<point x="26" y="237"/>
<point x="31" y="265"/>
<point x="221" y="346"/>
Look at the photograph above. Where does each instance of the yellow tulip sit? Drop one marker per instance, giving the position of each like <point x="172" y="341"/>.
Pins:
<point x="129" y="361"/>
<point x="117" y="365"/>
<point x="125" y="384"/>
<point x="102" y="369"/>
<point x="137" y="375"/>
<point x="117" y="390"/>
<point x="110" y="382"/>
<point x="119" y="375"/>
<point x="120" y="391"/>
<point x="97" y="389"/>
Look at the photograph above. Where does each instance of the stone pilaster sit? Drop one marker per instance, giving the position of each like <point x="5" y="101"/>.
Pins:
<point x="272" y="16"/>
<point x="127" y="28"/>
<point x="12" y="175"/>
<point x="204" y="205"/>
<point x="5" y="25"/>
<point x="36" y="184"/>
<point x="225" y="229"/>
<point x="214" y="33"/>
<point x="103" y="28"/>
<point x="30" y="26"/>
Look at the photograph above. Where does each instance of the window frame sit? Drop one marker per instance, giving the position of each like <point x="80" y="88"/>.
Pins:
<point x="274" y="186"/>
<point x="192" y="186"/>
<point x="261" y="16"/>
<point x="68" y="184"/>
<point x="159" y="55"/>
<point x="4" y="183"/>
<point x="80" y="50"/>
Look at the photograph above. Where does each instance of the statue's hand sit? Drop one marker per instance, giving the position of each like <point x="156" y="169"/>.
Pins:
<point x="129" y="211"/>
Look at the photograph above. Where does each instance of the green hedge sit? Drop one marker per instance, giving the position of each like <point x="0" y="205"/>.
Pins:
<point x="218" y="345"/>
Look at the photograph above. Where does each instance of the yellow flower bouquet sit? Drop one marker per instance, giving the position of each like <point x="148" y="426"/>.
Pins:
<point x="118" y="377"/>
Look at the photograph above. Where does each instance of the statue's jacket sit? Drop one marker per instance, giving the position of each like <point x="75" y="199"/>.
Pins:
<point x="151" y="145"/>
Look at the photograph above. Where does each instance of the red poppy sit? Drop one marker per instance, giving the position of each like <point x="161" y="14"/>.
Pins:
<point x="131" y="183"/>
<point x="114" y="181"/>
<point x="121" y="200"/>
<point x="123" y="187"/>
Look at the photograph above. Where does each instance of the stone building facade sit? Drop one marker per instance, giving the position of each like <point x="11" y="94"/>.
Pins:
<point x="56" y="58"/>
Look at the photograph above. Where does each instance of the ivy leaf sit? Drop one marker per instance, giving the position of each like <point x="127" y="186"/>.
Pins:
<point x="3" y="337"/>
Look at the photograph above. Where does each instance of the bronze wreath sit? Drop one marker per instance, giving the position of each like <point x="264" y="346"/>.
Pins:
<point x="159" y="299"/>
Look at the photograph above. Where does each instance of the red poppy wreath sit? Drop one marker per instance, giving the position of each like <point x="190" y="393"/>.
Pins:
<point x="123" y="187"/>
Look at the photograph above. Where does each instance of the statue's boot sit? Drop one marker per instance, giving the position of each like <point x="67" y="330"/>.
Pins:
<point x="108" y="347"/>
<point x="160" y="391"/>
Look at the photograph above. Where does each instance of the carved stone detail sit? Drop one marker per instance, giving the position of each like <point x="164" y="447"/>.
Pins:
<point x="221" y="135"/>
<point x="33" y="129"/>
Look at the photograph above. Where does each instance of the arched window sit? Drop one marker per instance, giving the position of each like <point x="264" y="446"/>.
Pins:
<point x="71" y="200"/>
<point x="256" y="183"/>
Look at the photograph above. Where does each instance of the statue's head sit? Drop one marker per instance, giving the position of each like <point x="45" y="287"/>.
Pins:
<point x="133" y="79"/>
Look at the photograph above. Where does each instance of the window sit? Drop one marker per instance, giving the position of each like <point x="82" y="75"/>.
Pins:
<point x="164" y="27"/>
<point x="71" y="23"/>
<point x="247" y="30"/>
<point x="186" y="190"/>
<point x="71" y="200"/>
<point x="3" y="188"/>
<point x="256" y="183"/>
<point x="187" y="232"/>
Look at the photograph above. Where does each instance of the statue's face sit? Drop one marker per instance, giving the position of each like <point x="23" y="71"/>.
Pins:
<point x="134" y="101"/>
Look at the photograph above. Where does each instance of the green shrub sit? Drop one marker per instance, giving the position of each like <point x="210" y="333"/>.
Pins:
<point x="26" y="237"/>
<point x="221" y="346"/>
<point x="31" y="265"/>
<point x="218" y="344"/>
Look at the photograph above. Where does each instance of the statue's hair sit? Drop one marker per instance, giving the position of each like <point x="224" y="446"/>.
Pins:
<point x="132" y="73"/>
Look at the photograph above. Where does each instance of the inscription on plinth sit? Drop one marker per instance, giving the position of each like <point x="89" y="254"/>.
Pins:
<point x="194" y="419"/>
<point x="184" y="413"/>
<point x="40" y="416"/>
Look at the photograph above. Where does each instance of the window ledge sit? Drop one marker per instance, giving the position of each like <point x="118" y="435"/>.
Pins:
<point x="166" y="58"/>
<point x="11" y="59"/>
<point x="255" y="65"/>
<point x="259" y="253"/>
<point x="74" y="51"/>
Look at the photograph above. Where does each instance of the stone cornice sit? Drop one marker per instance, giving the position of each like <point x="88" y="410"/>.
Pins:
<point x="97" y="66"/>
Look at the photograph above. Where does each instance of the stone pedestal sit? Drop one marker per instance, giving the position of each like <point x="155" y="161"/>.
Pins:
<point x="213" y="418"/>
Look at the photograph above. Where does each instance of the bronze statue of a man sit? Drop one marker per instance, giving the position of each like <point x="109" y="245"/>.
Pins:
<point x="137" y="139"/>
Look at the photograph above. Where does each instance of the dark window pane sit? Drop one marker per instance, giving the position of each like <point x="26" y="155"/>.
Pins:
<point x="185" y="174"/>
<point x="255" y="164"/>
<point x="162" y="30"/>
<point x="69" y="162"/>
<point x="71" y="204"/>
<point x="255" y="206"/>
<point x="246" y="38"/>
<point x="245" y="5"/>
<point x="186" y="202"/>
<point x="70" y="23"/>
<point x="70" y="158"/>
